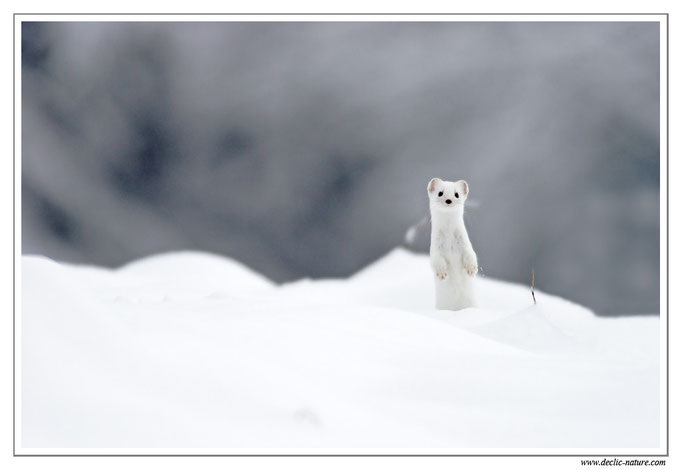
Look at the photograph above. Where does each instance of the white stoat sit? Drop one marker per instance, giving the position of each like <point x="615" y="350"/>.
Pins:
<point x="453" y="258"/>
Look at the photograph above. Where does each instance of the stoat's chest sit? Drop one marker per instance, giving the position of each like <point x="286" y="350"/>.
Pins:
<point x="447" y="240"/>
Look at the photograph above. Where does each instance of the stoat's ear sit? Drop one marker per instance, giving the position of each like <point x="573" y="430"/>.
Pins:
<point x="465" y="187"/>
<point x="432" y="184"/>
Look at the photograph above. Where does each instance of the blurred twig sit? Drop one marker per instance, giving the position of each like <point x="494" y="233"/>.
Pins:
<point x="412" y="232"/>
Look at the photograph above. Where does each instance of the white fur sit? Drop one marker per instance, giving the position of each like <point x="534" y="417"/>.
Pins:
<point x="453" y="259"/>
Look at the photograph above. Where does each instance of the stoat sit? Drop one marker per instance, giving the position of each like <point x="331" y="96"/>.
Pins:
<point x="453" y="259"/>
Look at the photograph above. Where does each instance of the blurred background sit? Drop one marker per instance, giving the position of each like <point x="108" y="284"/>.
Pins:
<point x="304" y="149"/>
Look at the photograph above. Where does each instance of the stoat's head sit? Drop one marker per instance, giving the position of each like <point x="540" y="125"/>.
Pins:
<point x="447" y="195"/>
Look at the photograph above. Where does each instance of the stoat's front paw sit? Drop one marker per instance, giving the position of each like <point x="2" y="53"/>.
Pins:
<point x="470" y="264"/>
<point x="440" y="268"/>
<point x="471" y="269"/>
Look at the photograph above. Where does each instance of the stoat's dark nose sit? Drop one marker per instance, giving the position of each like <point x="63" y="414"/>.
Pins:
<point x="448" y="201"/>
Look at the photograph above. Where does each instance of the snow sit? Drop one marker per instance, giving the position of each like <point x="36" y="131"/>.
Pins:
<point x="194" y="350"/>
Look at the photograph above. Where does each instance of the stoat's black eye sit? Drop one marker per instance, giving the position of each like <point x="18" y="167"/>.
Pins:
<point x="457" y="195"/>
<point x="440" y="194"/>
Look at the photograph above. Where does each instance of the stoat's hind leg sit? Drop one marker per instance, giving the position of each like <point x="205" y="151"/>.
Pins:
<point x="467" y="297"/>
<point x="446" y="294"/>
<point x="454" y="294"/>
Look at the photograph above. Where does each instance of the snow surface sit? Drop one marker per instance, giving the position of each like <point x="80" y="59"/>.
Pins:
<point x="195" y="350"/>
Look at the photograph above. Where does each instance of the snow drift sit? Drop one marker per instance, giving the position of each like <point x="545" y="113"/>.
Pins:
<point x="197" y="351"/>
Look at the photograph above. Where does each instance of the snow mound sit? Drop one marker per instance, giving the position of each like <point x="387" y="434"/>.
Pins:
<point x="194" y="350"/>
